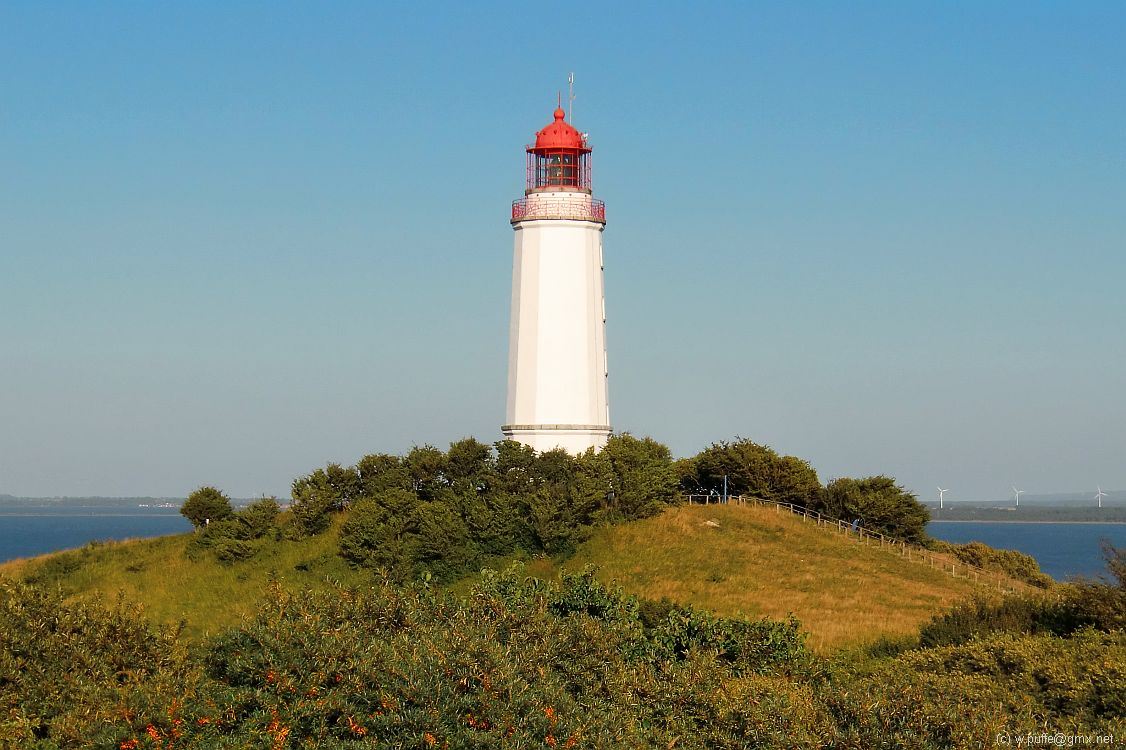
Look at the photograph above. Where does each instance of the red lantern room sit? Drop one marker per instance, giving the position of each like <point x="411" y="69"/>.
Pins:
<point x="560" y="158"/>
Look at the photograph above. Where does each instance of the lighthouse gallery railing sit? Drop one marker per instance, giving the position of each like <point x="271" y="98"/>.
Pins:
<point x="541" y="208"/>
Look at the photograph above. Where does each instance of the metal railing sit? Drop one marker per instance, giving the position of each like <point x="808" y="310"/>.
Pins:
<point x="544" y="208"/>
<point x="912" y="552"/>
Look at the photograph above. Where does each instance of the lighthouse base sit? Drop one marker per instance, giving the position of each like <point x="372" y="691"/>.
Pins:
<point x="573" y="438"/>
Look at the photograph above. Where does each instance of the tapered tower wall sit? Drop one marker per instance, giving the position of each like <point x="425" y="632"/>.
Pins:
<point x="557" y="371"/>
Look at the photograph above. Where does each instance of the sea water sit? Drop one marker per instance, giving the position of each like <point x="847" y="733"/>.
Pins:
<point x="36" y="530"/>
<point x="1063" y="550"/>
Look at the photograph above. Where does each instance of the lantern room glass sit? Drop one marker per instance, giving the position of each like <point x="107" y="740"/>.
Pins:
<point x="559" y="169"/>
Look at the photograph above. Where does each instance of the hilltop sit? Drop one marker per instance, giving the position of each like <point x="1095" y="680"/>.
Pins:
<point x="755" y="561"/>
<point x="443" y="516"/>
<point x="759" y="562"/>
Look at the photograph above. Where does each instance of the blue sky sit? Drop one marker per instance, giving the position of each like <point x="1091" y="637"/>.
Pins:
<point x="240" y="240"/>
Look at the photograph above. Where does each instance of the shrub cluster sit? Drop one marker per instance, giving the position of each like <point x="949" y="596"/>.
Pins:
<point x="237" y="536"/>
<point x="205" y="506"/>
<point x="442" y="514"/>
<point x="743" y="467"/>
<point x="1012" y="563"/>
<point x="520" y="662"/>
<point x="750" y="469"/>
<point x="72" y="673"/>
<point x="1098" y="605"/>
<point x="879" y="503"/>
<point x="968" y="695"/>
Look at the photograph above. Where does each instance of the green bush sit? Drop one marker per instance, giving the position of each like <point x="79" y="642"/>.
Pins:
<point x="314" y="501"/>
<point x="1008" y="561"/>
<point x="70" y="673"/>
<point x="557" y="526"/>
<point x="750" y="469"/>
<point x="965" y="696"/>
<point x="497" y="522"/>
<point x="1098" y="605"/>
<point x="229" y="551"/>
<point x="54" y="569"/>
<point x="444" y="548"/>
<point x="982" y="617"/>
<point x="581" y="593"/>
<point x="236" y="537"/>
<point x="206" y="505"/>
<point x="879" y="503"/>
<point x="519" y="662"/>
<point x="441" y="514"/>
<point x="259" y="517"/>
<point x="636" y="477"/>
<point x="1068" y="609"/>
<point x="382" y="532"/>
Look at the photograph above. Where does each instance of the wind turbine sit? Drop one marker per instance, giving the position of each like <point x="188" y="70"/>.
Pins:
<point x="941" y="494"/>
<point x="1017" y="493"/>
<point x="1100" y="496"/>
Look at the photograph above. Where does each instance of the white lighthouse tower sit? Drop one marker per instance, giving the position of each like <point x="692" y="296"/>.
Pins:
<point x="557" y="375"/>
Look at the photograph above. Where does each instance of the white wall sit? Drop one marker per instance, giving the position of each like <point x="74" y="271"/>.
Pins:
<point x="557" y="375"/>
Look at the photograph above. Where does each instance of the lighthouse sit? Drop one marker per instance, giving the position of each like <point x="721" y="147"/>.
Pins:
<point x="557" y="372"/>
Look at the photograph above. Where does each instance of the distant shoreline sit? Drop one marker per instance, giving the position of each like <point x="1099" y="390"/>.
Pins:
<point x="991" y="520"/>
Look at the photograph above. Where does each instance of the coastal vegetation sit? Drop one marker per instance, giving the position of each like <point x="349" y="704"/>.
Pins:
<point x="1030" y="513"/>
<point x="489" y="596"/>
<point x="519" y="662"/>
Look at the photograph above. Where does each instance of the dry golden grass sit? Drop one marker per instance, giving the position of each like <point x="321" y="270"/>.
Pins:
<point x="763" y="563"/>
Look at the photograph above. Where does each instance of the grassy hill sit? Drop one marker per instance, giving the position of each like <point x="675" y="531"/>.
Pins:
<point x="173" y="585"/>
<point x="749" y="560"/>
<point x="762" y="563"/>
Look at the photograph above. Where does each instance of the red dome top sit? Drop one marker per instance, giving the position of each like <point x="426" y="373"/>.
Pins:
<point x="559" y="134"/>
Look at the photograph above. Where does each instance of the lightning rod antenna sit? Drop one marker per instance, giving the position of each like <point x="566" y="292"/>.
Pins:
<point x="571" y="98"/>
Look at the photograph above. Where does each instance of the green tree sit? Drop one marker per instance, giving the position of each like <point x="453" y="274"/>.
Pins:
<point x="314" y="500"/>
<point x="206" y="505"/>
<point x="318" y="495"/>
<point x="499" y="523"/>
<point x="258" y="517"/>
<point x="382" y="532"/>
<point x="444" y="547"/>
<point x="235" y="537"/>
<point x="426" y="466"/>
<point x="644" y="477"/>
<point x="880" y="504"/>
<point x="470" y="466"/>
<point x="344" y="482"/>
<point x="552" y="517"/>
<point x="515" y="466"/>
<point x="752" y="469"/>
<point x="379" y="472"/>
<point x="555" y="466"/>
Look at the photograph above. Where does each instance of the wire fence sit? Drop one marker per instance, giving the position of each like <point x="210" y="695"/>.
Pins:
<point x="912" y="552"/>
